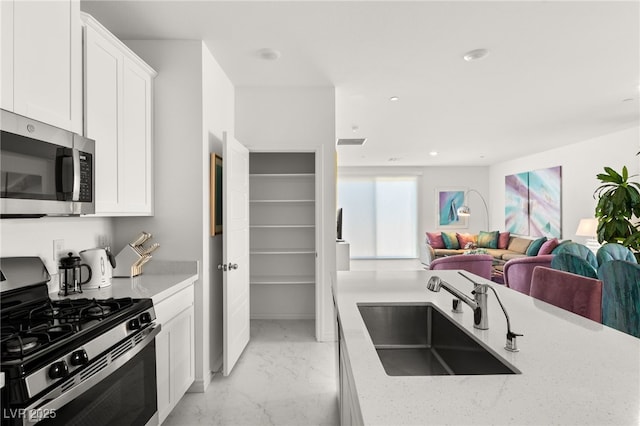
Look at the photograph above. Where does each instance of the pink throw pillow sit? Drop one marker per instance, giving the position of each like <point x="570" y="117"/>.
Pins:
<point x="503" y="240"/>
<point x="548" y="246"/>
<point x="435" y="240"/>
<point x="464" y="239"/>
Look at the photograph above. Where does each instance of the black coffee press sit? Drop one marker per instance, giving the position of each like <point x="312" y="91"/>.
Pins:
<point x="70" y="271"/>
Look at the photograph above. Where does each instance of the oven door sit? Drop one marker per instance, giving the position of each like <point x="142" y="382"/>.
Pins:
<point x="122" y="392"/>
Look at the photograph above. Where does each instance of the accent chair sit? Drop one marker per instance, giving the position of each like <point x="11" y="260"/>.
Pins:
<point x="579" y="250"/>
<point x="479" y="264"/>
<point x="518" y="272"/>
<point x="575" y="264"/>
<point x="614" y="251"/>
<point x="621" y="296"/>
<point x="576" y="293"/>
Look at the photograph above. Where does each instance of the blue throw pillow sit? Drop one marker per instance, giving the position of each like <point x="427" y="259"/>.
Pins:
<point x="534" y="247"/>
<point x="450" y="240"/>
<point x="488" y="239"/>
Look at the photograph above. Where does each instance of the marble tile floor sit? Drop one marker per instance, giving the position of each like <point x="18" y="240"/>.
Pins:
<point x="284" y="377"/>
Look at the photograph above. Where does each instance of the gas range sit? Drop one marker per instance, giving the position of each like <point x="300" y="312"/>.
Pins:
<point x="50" y="348"/>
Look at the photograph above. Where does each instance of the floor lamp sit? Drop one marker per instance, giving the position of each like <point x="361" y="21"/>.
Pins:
<point x="465" y="210"/>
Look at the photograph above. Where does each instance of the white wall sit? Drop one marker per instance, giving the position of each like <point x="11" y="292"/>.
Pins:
<point x="299" y="119"/>
<point x="580" y="162"/>
<point x="432" y="179"/>
<point x="181" y="173"/>
<point x="34" y="237"/>
<point x="218" y="107"/>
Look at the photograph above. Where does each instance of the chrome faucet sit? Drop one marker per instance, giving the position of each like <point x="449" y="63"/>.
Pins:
<point x="478" y="304"/>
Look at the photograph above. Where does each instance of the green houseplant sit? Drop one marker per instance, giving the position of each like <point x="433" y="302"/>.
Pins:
<point x="618" y="206"/>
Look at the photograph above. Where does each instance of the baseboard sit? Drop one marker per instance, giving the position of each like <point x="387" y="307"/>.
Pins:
<point x="281" y="316"/>
<point x="200" y="385"/>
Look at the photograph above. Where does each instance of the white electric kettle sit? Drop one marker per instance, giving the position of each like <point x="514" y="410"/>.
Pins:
<point x="100" y="261"/>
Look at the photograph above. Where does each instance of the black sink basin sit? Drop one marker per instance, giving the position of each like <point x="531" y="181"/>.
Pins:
<point x="420" y="340"/>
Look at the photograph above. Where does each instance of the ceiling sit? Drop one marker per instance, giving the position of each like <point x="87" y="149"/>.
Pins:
<point x="557" y="72"/>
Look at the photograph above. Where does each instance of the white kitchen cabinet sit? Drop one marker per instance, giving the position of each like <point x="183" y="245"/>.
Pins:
<point x="282" y="241"/>
<point x="42" y="61"/>
<point x="118" y="95"/>
<point x="175" y="362"/>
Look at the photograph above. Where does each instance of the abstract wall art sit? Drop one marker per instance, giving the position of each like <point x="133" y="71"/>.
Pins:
<point x="447" y="203"/>
<point x="533" y="203"/>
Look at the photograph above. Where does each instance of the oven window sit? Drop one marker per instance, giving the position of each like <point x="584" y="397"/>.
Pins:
<point x="126" y="397"/>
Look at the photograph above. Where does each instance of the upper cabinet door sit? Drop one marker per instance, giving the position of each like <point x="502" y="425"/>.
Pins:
<point x="47" y="61"/>
<point x="118" y="88"/>
<point x="103" y="117"/>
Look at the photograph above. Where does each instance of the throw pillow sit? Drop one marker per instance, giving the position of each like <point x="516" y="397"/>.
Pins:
<point x="548" y="246"/>
<point x="465" y="239"/>
<point x="488" y="239"/>
<point x="519" y="245"/>
<point x="534" y="247"/>
<point x="503" y="239"/>
<point x="435" y="240"/>
<point x="450" y="240"/>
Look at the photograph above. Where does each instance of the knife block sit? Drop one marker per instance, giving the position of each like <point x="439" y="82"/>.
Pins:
<point x="129" y="262"/>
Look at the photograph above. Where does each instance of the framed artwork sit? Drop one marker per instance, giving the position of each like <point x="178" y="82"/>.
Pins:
<point x="215" y="194"/>
<point x="516" y="203"/>
<point x="448" y="200"/>
<point x="545" y="209"/>
<point x="533" y="203"/>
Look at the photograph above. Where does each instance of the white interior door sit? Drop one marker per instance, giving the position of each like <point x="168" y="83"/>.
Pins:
<point x="235" y="251"/>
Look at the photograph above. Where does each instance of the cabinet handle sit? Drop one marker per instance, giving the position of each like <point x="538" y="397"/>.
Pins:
<point x="222" y="267"/>
<point x="233" y="266"/>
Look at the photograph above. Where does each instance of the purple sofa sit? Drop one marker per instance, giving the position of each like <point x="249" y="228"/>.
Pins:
<point x="576" y="293"/>
<point x="479" y="264"/>
<point x="518" y="272"/>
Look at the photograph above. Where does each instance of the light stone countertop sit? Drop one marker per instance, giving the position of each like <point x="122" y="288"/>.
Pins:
<point x="159" y="281"/>
<point x="574" y="370"/>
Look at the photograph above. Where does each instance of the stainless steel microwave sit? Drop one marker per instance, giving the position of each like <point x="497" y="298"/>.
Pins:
<point x="44" y="170"/>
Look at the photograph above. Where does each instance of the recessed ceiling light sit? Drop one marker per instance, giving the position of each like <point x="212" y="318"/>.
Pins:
<point x="269" y="54"/>
<point x="433" y="153"/>
<point x="475" y="55"/>
<point x="394" y="99"/>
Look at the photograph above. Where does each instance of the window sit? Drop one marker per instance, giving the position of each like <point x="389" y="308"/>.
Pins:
<point x="379" y="216"/>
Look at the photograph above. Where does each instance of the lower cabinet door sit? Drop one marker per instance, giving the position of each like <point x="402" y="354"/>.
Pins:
<point x="175" y="365"/>
<point x="162" y="374"/>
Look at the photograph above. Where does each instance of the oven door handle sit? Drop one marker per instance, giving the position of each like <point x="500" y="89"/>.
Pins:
<point x="57" y="397"/>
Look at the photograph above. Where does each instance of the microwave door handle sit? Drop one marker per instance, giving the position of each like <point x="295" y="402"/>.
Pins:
<point x="67" y="178"/>
<point x="76" y="175"/>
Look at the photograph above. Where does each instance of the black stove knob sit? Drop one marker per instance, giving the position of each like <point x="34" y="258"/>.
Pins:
<point x="58" y="370"/>
<point x="145" y="318"/>
<point x="134" y="324"/>
<point x="79" y="357"/>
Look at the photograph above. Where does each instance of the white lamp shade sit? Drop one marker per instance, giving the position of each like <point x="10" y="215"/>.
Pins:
<point x="587" y="228"/>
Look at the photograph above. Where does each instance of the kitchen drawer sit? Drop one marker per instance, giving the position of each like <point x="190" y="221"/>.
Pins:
<point x="172" y="306"/>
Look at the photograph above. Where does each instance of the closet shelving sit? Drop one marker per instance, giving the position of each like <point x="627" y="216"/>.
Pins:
<point x="282" y="241"/>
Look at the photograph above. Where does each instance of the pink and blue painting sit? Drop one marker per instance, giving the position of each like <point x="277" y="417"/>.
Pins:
<point x="516" y="206"/>
<point x="448" y="203"/>
<point x="533" y="203"/>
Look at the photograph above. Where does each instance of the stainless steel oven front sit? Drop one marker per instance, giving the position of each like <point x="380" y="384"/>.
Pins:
<point x="118" y="388"/>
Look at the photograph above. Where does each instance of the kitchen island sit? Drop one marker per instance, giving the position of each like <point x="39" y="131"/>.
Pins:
<point x="573" y="370"/>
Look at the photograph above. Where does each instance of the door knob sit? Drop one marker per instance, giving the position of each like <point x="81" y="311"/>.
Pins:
<point x="222" y="267"/>
<point x="233" y="265"/>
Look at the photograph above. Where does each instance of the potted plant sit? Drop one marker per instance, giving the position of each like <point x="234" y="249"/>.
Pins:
<point x="618" y="206"/>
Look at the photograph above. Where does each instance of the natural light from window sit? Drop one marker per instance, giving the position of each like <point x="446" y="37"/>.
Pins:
<point x="379" y="216"/>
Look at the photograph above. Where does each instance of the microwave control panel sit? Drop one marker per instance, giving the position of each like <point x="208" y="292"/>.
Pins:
<point x="86" y="177"/>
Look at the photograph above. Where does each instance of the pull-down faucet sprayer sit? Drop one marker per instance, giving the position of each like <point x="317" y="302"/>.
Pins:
<point x="478" y="304"/>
